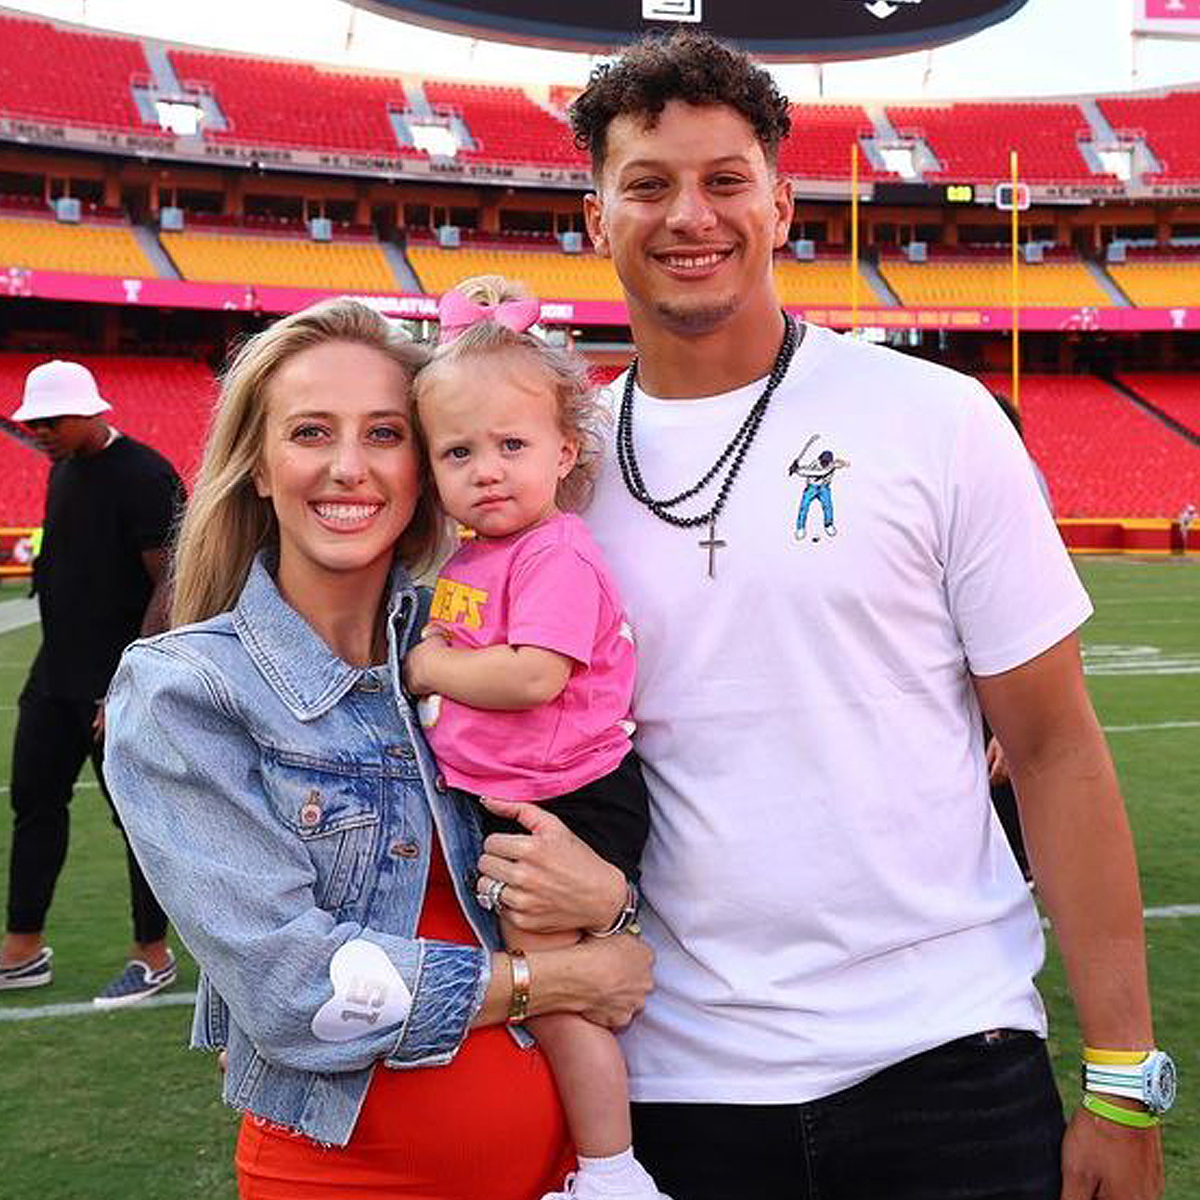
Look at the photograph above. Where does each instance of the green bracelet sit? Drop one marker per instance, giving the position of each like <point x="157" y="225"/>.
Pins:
<point x="1133" y="1118"/>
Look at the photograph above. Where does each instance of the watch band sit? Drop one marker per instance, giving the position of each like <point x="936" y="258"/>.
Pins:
<point x="518" y="1005"/>
<point x="1115" y="1081"/>
<point x="1131" y="1118"/>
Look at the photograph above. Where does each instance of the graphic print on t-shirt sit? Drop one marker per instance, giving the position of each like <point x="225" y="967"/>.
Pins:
<point x="453" y="603"/>
<point x="817" y="475"/>
<point x="457" y="603"/>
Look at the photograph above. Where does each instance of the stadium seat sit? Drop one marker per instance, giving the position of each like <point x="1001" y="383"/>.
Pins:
<point x="987" y="284"/>
<point x="43" y="244"/>
<point x="550" y="275"/>
<point x="297" y="104"/>
<point x="1158" y="283"/>
<point x="1175" y="393"/>
<point x="164" y="402"/>
<point x="1167" y="123"/>
<point x="1101" y="454"/>
<point x="820" y="282"/>
<point x="973" y="141"/>
<point x="505" y="124"/>
<point x="58" y="74"/>
<point x="820" y="141"/>
<point x="355" y="266"/>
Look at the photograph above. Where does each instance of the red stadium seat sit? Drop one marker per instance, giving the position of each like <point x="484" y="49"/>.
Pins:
<point x="973" y="141"/>
<point x="1168" y="124"/>
<point x="164" y="402"/>
<point x="1178" y="395"/>
<point x="58" y="74"/>
<point x="1101" y="454"/>
<point x="506" y="125"/>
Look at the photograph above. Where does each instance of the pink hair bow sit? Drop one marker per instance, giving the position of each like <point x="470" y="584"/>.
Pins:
<point x="456" y="314"/>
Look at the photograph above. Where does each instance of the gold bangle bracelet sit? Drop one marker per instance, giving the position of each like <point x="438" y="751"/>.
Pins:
<point x="518" y="1006"/>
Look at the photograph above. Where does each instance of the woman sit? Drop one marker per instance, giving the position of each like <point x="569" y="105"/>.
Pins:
<point x="291" y="821"/>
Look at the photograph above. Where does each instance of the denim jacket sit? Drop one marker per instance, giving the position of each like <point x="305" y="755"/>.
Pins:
<point x="282" y="804"/>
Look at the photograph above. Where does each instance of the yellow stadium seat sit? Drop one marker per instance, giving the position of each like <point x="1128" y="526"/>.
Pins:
<point x="84" y="249"/>
<point x="280" y="262"/>
<point x="825" y="282"/>
<point x="548" y="274"/>
<point x="1159" y="284"/>
<point x="987" y="284"/>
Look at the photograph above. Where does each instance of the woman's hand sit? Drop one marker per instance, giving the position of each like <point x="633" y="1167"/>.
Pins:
<point x="620" y="968"/>
<point x="605" y="980"/>
<point x="553" y="881"/>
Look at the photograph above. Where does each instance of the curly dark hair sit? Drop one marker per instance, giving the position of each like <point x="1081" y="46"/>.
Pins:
<point x="686" y="65"/>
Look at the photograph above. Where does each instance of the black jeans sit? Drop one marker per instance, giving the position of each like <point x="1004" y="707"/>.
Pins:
<point x="976" y="1119"/>
<point x="52" y="742"/>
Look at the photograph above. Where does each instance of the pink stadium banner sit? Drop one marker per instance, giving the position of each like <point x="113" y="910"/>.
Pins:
<point x="21" y="282"/>
<point x="1167" y="18"/>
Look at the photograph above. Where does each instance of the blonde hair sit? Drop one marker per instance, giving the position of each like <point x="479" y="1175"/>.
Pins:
<point x="580" y="416"/>
<point x="226" y="522"/>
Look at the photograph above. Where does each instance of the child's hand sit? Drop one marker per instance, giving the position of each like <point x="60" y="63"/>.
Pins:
<point x="435" y="629"/>
<point x="421" y="661"/>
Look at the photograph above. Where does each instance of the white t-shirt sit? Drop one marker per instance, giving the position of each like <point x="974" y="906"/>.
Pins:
<point x="827" y="889"/>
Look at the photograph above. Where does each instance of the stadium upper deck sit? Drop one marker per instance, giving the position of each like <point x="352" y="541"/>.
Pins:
<point x="329" y="119"/>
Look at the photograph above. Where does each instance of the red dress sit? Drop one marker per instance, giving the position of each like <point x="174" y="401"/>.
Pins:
<point x="487" y="1124"/>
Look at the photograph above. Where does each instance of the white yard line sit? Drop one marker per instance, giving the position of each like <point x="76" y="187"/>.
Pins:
<point x="87" y="783"/>
<point x="85" y="1008"/>
<point x="1151" y="726"/>
<point x="16" y="614"/>
<point x="175" y="999"/>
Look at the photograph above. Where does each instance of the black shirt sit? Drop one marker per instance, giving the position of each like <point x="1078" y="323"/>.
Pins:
<point x="102" y="511"/>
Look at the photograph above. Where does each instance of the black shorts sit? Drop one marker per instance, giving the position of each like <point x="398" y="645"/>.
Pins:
<point x="611" y="814"/>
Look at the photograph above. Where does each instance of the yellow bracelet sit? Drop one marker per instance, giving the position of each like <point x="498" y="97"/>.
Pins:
<point x="518" y="1006"/>
<point x="1113" y="1058"/>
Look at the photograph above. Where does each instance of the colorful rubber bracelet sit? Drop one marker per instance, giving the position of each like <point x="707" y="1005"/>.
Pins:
<point x="518" y="1006"/>
<point x="1114" y="1058"/>
<point x="1133" y="1118"/>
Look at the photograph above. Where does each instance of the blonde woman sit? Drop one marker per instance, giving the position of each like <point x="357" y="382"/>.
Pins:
<point x="288" y="814"/>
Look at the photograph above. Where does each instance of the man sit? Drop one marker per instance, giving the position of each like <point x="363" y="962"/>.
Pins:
<point x="110" y="506"/>
<point x="844" y="1003"/>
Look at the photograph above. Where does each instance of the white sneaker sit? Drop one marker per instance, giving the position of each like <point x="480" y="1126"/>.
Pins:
<point x="577" y="1189"/>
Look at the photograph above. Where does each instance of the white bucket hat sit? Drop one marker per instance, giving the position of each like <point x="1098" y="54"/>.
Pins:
<point x="60" y="389"/>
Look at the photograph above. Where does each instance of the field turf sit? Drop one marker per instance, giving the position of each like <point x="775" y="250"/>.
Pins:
<point x="114" y="1107"/>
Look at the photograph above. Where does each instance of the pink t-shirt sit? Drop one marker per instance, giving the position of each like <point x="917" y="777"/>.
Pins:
<point x="548" y="587"/>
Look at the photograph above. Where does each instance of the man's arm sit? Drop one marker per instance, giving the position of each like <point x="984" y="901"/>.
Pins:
<point x="1081" y="852"/>
<point x="154" y="620"/>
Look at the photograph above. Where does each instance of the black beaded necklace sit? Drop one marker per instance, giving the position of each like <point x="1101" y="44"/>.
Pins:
<point x="736" y="450"/>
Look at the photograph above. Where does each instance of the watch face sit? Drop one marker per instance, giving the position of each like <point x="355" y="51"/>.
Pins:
<point x="1160" y="1083"/>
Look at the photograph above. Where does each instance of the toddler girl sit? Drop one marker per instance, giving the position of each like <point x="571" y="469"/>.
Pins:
<point x="527" y="666"/>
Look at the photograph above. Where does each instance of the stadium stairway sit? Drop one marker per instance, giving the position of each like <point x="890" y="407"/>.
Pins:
<point x="1111" y="288"/>
<point x="1135" y="389"/>
<point x="153" y="249"/>
<point x="401" y="267"/>
<point x="883" y="293"/>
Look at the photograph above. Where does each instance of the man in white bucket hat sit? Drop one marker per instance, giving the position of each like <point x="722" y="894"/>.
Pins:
<point x="110" y="505"/>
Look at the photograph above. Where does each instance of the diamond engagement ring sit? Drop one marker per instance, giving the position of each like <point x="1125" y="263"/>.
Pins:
<point x="489" y="900"/>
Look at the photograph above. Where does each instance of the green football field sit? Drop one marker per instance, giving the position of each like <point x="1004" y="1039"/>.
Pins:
<point x="103" y="1106"/>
